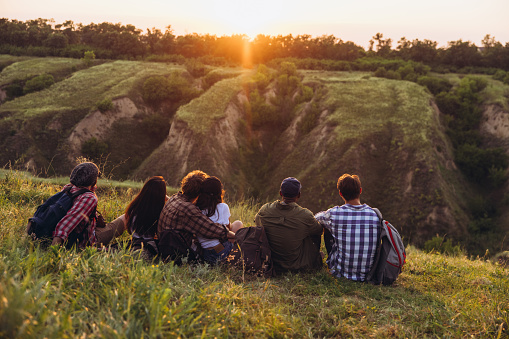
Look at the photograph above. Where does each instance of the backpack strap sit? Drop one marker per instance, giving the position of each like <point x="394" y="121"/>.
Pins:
<point x="377" y="211"/>
<point x="77" y="193"/>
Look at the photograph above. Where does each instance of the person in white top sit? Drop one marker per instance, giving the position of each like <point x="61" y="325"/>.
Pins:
<point x="210" y="201"/>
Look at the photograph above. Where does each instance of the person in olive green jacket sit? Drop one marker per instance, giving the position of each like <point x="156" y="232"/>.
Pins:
<point x="293" y="233"/>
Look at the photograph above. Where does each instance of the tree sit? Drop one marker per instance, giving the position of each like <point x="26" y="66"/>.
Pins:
<point x="88" y="58"/>
<point x="461" y="54"/>
<point x="56" y="40"/>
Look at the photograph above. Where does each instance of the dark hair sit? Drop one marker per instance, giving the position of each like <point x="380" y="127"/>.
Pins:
<point x="143" y="212"/>
<point x="211" y="194"/>
<point x="191" y="183"/>
<point x="349" y="186"/>
<point x="85" y="174"/>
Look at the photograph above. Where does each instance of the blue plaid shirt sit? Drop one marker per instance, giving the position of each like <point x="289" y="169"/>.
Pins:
<point x="355" y="230"/>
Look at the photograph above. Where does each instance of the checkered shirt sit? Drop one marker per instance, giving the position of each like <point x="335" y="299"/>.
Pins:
<point x="355" y="230"/>
<point x="180" y="214"/>
<point x="81" y="209"/>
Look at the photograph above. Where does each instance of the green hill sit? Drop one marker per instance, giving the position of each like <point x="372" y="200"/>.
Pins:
<point x="59" y="293"/>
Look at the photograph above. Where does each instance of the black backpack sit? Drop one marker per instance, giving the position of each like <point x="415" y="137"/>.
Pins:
<point x="173" y="246"/>
<point x="47" y="215"/>
<point x="252" y="251"/>
<point x="390" y="254"/>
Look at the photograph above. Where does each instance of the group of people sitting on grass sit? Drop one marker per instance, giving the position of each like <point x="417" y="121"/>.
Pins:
<point x="202" y="218"/>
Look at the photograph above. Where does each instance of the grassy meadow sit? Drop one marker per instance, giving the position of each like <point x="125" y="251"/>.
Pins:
<point x="82" y="89"/>
<point x="54" y="293"/>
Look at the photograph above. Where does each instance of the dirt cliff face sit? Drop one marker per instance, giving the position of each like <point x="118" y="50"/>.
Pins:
<point x="184" y="150"/>
<point x="495" y="131"/>
<point x="98" y="125"/>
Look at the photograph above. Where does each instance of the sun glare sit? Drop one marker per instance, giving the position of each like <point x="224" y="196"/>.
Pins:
<point x="240" y="17"/>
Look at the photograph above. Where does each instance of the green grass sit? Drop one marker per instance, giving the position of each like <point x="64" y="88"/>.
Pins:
<point x="60" y="293"/>
<point x="211" y="106"/>
<point x="496" y="93"/>
<point x="26" y="69"/>
<point x="367" y="106"/>
<point x="86" y="87"/>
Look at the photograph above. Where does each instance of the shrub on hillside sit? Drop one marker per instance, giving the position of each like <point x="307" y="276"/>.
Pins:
<point x="482" y="225"/>
<point x="310" y="119"/>
<point x="476" y="163"/>
<point x="499" y="75"/>
<point x="88" y="58"/>
<point x="157" y="126"/>
<point x="94" y="148"/>
<point x="155" y="89"/>
<point x="305" y="94"/>
<point x="180" y="89"/>
<point x="14" y="89"/>
<point x="287" y="68"/>
<point x="262" y="78"/>
<point x="38" y="83"/>
<point x="105" y="105"/>
<point x="261" y="112"/>
<point x="380" y="72"/>
<point x="506" y="79"/>
<point x="434" y="84"/>
<point x="196" y="68"/>
<point x="393" y="75"/>
<point x="175" y="88"/>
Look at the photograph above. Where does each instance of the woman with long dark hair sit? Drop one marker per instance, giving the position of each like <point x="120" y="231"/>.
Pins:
<point x="210" y="201"/>
<point x="143" y="212"/>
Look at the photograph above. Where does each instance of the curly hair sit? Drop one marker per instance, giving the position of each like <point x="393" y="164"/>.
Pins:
<point x="191" y="183"/>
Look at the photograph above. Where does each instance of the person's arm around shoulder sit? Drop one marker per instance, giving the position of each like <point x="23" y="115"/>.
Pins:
<point x="323" y="218"/>
<point x="206" y="227"/>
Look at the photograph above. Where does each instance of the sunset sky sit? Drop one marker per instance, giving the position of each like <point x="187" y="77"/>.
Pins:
<point x="357" y="21"/>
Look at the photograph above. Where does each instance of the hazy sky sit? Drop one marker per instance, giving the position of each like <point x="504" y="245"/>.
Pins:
<point x="357" y="21"/>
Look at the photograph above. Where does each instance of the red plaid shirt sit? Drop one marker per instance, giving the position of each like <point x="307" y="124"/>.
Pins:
<point x="81" y="209"/>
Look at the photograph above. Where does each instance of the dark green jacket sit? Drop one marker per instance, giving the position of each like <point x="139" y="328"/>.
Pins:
<point x="294" y="236"/>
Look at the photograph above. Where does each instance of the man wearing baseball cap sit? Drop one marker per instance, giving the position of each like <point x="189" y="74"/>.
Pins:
<point x="292" y="231"/>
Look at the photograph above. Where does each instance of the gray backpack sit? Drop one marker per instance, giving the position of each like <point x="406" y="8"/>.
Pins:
<point x="390" y="254"/>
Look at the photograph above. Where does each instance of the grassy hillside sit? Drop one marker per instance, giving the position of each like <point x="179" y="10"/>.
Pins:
<point x="58" y="293"/>
<point x="201" y="113"/>
<point x="81" y="90"/>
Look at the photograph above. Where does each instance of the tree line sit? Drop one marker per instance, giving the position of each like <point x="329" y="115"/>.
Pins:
<point x="42" y="37"/>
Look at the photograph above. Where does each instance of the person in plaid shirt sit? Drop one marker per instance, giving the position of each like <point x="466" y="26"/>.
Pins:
<point x="181" y="214"/>
<point x="352" y="232"/>
<point x="79" y="220"/>
<point x="79" y="226"/>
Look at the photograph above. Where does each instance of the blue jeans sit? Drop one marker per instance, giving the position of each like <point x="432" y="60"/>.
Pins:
<point x="212" y="257"/>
